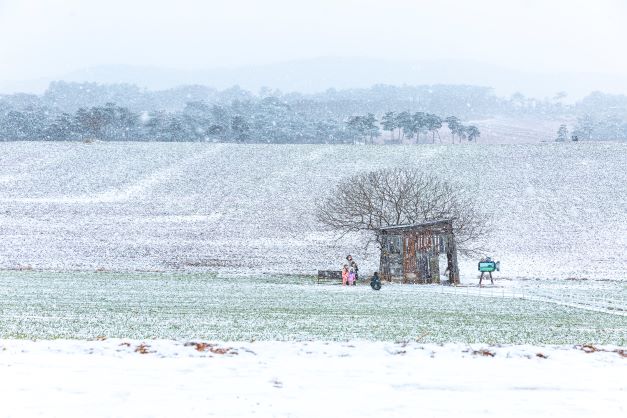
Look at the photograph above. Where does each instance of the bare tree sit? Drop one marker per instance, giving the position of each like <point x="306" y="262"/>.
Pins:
<point x="369" y="201"/>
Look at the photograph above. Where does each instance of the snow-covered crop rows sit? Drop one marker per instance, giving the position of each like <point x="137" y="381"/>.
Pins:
<point x="175" y="306"/>
<point x="559" y="210"/>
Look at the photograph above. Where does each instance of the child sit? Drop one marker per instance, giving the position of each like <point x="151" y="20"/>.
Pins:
<point x="352" y="264"/>
<point x="351" y="277"/>
<point x="344" y="274"/>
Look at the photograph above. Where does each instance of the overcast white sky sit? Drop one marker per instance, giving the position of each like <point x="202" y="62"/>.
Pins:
<point x="45" y="38"/>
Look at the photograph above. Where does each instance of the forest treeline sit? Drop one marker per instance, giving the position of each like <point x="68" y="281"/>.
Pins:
<point x="266" y="121"/>
<point x="80" y="111"/>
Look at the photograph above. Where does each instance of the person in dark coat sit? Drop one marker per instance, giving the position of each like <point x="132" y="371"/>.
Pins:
<point x="375" y="281"/>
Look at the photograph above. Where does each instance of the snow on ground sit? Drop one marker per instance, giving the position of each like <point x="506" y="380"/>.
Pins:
<point x="307" y="379"/>
<point x="518" y="130"/>
<point x="198" y="208"/>
<point x="228" y="208"/>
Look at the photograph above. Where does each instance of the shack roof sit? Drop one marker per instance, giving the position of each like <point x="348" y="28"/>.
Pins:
<point x="427" y="224"/>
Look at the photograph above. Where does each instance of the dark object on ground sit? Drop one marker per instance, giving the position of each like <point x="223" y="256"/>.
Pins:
<point x="375" y="282"/>
<point x="325" y="276"/>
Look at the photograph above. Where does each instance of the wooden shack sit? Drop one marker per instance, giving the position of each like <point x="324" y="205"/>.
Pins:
<point x="418" y="253"/>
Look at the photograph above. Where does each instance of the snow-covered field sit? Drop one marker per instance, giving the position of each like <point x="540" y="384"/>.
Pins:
<point x="559" y="209"/>
<point x="518" y="130"/>
<point x="173" y="306"/>
<point x="148" y="378"/>
<point x="143" y="248"/>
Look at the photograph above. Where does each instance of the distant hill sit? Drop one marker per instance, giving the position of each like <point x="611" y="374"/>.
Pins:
<point x="319" y="74"/>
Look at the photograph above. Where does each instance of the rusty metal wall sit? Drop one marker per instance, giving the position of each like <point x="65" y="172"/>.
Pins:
<point x="421" y="249"/>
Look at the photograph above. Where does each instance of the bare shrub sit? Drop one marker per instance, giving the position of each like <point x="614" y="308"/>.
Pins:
<point x="369" y="201"/>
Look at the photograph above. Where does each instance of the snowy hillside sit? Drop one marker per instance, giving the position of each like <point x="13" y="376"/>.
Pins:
<point x="560" y="210"/>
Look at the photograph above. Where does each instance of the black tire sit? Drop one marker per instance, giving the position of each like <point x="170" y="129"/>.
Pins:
<point x="375" y="285"/>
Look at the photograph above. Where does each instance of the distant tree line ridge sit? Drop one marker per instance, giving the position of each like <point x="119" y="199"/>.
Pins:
<point x="600" y="127"/>
<point x="265" y="121"/>
<point x="467" y="102"/>
<point x="418" y="126"/>
<point x="74" y="111"/>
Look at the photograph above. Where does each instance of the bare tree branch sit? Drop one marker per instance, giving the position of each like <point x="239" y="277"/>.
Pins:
<point x="369" y="201"/>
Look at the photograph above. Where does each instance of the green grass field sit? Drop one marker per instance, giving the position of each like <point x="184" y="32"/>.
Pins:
<point x="43" y="305"/>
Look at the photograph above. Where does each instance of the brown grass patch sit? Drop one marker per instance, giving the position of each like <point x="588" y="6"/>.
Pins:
<point x="212" y="348"/>
<point x="143" y="349"/>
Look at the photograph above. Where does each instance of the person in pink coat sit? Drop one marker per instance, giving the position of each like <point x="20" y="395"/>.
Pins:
<point x="345" y="274"/>
<point x="351" y="277"/>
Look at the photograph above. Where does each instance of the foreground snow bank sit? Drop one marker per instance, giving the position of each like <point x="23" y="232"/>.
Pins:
<point x="171" y="378"/>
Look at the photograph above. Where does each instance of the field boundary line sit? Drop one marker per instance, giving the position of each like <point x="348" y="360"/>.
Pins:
<point x="524" y="294"/>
